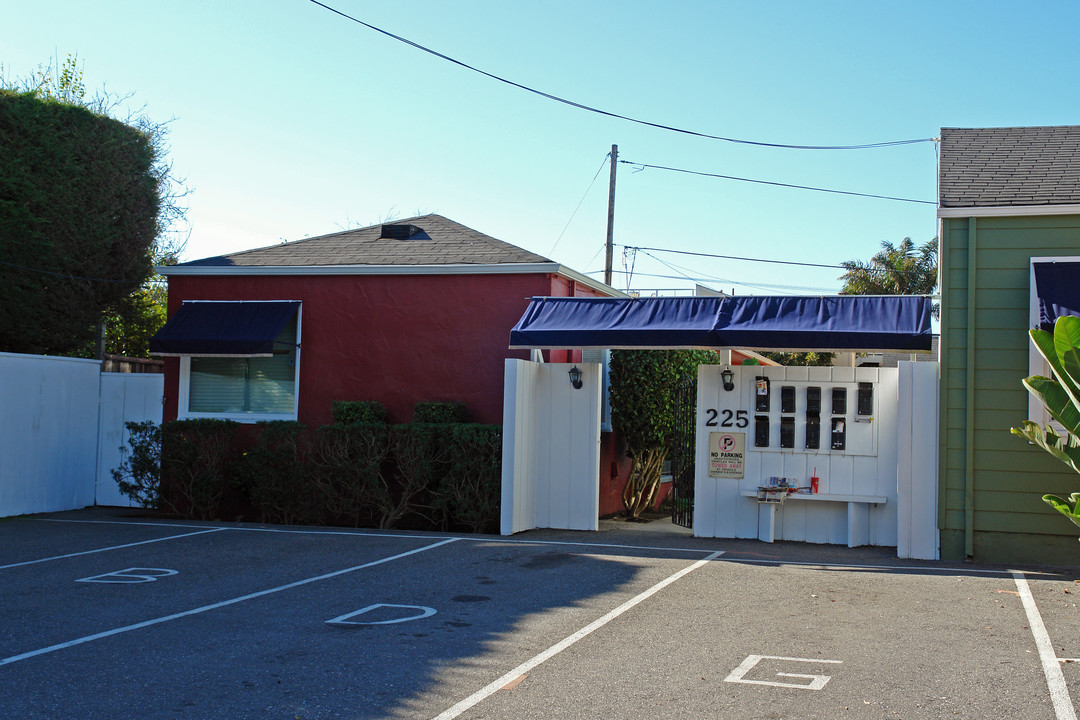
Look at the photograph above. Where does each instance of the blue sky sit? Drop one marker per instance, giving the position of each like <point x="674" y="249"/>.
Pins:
<point x="292" y="122"/>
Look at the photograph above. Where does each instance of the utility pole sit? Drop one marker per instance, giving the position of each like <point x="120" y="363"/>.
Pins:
<point x="610" y="215"/>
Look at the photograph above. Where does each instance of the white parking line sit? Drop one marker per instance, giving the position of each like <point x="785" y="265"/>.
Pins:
<point x="566" y="642"/>
<point x="214" y="606"/>
<point x="112" y="547"/>
<point x="1055" y="679"/>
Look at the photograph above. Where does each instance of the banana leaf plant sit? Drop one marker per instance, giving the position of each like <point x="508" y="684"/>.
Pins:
<point x="1060" y="395"/>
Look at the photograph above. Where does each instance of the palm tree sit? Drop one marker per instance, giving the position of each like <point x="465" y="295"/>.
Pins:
<point x="896" y="270"/>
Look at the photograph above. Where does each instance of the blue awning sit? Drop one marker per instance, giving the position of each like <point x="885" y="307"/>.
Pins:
<point x="1057" y="285"/>
<point x="844" y="322"/>
<point x="224" y="329"/>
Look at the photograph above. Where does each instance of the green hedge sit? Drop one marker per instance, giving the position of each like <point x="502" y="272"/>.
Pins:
<point x="439" y="412"/>
<point x="353" y="412"/>
<point x="419" y="475"/>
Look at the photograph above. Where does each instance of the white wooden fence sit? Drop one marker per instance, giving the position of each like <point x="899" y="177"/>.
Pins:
<point x="61" y="430"/>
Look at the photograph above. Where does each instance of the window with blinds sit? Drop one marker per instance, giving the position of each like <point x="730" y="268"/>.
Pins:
<point x="246" y="385"/>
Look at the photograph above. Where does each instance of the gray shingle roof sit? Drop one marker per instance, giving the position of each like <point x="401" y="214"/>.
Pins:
<point x="987" y="167"/>
<point x="439" y="242"/>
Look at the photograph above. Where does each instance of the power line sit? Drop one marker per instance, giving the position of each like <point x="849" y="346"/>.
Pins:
<point x="778" y="184"/>
<point x="573" y="214"/>
<point x="774" y="262"/>
<point x="598" y="111"/>
<point x="746" y="259"/>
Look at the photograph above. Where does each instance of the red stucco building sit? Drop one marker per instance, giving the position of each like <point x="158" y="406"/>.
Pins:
<point x="413" y="311"/>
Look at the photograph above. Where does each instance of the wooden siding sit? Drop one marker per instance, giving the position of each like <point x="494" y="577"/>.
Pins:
<point x="1009" y="476"/>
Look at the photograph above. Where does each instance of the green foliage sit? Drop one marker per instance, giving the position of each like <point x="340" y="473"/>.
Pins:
<point x="198" y="465"/>
<point x="791" y="359"/>
<point x="350" y="471"/>
<point x="78" y="199"/>
<point x="643" y="384"/>
<point x="896" y="270"/>
<point x="1060" y="396"/>
<point x="439" y="412"/>
<point x="279" y="475"/>
<point x="87" y="204"/>
<point x="139" y="474"/>
<point x="471" y="490"/>
<point x="354" y="412"/>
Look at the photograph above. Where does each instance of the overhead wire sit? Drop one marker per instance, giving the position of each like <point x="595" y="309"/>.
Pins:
<point x="606" y="113"/>
<point x="777" y="184"/>
<point x="766" y="260"/>
<point x="598" y="170"/>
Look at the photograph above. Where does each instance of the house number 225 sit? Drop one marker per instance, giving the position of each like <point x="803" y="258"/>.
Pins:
<point x="727" y="418"/>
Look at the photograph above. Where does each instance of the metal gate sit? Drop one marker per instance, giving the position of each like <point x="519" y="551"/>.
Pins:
<point x="682" y="453"/>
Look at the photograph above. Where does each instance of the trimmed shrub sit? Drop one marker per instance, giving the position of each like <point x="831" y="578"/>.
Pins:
<point x="279" y="475"/>
<point x="471" y="491"/>
<point x="139" y="474"/>
<point x="358" y="412"/>
<point x="439" y="412"/>
<point x="349" y="471"/>
<point x="420" y="454"/>
<point x="197" y="465"/>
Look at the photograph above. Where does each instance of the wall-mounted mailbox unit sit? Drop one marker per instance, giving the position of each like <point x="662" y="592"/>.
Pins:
<point x="866" y="399"/>
<point x="839" y="401"/>
<point x="761" y="394"/>
<point x="787" y="399"/>
<point x="813" y="432"/>
<point x="787" y="432"/>
<point x="839" y="433"/>
<point x="813" y="400"/>
<point x="761" y="431"/>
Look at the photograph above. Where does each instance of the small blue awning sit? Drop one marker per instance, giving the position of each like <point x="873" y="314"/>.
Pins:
<point x="224" y="329"/>
<point x="843" y="322"/>
<point x="1057" y="285"/>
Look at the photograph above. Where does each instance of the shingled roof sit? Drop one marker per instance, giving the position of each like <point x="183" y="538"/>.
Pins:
<point x="1002" y="167"/>
<point x="423" y="240"/>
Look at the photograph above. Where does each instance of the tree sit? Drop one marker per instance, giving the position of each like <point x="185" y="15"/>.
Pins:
<point x="895" y="270"/>
<point x="87" y="204"/>
<point x="1060" y="395"/>
<point x="643" y="384"/>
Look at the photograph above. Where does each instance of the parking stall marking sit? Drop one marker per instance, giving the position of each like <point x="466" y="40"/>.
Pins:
<point x="112" y="547"/>
<point x="527" y="666"/>
<point x="130" y="575"/>
<point x="215" y="606"/>
<point x="425" y="611"/>
<point x="817" y="682"/>
<point x="1055" y="678"/>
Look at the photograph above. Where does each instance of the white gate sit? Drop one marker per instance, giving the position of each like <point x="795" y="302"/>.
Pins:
<point x="125" y="397"/>
<point x="551" y="447"/>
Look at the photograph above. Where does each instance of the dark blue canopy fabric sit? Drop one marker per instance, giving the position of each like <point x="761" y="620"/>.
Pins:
<point x="224" y="329"/>
<point x="845" y="322"/>
<point x="1057" y="285"/>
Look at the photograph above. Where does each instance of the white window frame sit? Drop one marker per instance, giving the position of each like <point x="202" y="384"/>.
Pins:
<point x="184" y="395"/>
<point x="1037" y="365"/>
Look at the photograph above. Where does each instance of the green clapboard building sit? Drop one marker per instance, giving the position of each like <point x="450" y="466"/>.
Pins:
<point x="1006" y="196"/>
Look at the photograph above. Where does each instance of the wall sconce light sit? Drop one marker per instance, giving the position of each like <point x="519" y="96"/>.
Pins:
<point x="575" y="377"/>
<point x="729" y="379"/>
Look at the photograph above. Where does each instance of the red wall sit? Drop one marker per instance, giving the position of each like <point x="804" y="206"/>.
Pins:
<point x="398" y="339"/>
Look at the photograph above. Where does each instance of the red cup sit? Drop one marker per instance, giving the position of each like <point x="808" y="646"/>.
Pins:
<point x="814" y="484"/>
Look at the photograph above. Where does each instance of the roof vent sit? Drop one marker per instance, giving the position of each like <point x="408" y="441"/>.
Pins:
<point x="399" y="232"/>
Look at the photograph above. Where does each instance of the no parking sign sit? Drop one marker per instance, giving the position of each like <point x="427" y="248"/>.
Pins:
<point x="727" y="455"/>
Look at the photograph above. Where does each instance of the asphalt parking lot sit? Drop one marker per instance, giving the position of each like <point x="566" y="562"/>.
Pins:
<point x="108" y="615"/>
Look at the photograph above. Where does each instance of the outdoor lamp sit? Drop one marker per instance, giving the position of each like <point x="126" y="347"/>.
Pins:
<point x="729" y="379"/>
<point x="575" y="377"/>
